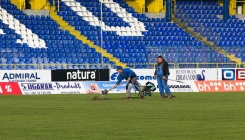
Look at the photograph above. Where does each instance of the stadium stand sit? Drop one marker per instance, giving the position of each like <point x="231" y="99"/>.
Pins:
<point x="131" y="37"/>
<point x="204" y="18"/>
<point x="38" y="40"/>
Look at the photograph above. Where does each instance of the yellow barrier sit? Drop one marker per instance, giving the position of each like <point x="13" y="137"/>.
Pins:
<point x="148" y="65"/>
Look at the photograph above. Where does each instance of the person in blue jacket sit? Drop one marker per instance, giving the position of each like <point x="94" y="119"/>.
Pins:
<point x="162" y="73"/>
<point x="128" y="74"/>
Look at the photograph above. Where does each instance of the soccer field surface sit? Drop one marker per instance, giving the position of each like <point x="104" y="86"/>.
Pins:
<point x="188" y="116"/>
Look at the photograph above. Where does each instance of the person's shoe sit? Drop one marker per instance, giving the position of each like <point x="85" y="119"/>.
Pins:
<point x="163" y="96"/>
<point x="128" y="98"/>
<point x="170" y="96"/>
<point x="142" y="97"/>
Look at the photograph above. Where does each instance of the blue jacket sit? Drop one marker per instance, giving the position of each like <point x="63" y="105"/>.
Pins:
<point x="126" y="73"/>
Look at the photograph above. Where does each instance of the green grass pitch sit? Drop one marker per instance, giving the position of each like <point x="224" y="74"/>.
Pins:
<point x="188" y="116"/>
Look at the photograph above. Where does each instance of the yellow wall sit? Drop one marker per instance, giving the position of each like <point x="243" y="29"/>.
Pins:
<point x="37" y="4"/>
<point x="138" y="5"/>
<point x="154" y="5"/>
<point x="232" y="6"/>
<point x="220" y="2"/>
<point x="243" y="8"/>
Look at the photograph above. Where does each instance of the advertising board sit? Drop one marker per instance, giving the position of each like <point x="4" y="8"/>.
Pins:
<point x="80" y="75"/>
<point x="25" y="76"/>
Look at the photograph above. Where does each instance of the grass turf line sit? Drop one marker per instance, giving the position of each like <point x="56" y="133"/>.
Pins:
<point x="188" y="116"/>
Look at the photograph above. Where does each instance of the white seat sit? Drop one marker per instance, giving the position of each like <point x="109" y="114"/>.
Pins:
<point x="107" y="28"/>
<point x="4" y="12"/>
<point x="129" y="15"/>
<point x="17" y="31"/>
<point x="128" y="29"/>
<point x="136" y="24"/>
<point x="36" y="43"/>
<point x="89" y="14"/>
<point x="23" y="32"/>
<point x="118" y="28"/>
<point x="119" y="14"/>
<point x="129" y="33"/>
<point x="113" y="28"/>
<point x="85" y="18"/>
<point x="91" y="23"/>
<point x="117" y="10"/>
<point x="95" y="19"/>
<point x="78" y="8"/>
<point x="29" y="38"/>
<point x="68" y="3"/>
<point x="1" y="32"/>
<point x="131" y="24"/>
<point x="141" y="24"/>
<point x="135" y="20"/>
<point x="138" y="33"/>
<point x="22" y="26"/>
<point x="42" y="43"/>
<point x="119" y="33"/>
<point x="11" y="26"/>
<point x="116" y="5"/>
<point x="97" y="23"/>
<point x="125" y="19"/>
<point x="124" y="15"/>
<point x="24" y="41"/>
<point x="29" y="31"/>
<point x="130" y="19"/>
<point x="11" y="22"/>
<point x="107" y="4"/>
<point x="111" y="5"/>
<point x="72" y="3"/>
<point x="142" y="28"/>
<point x="132" y="29"/>
<point x="35" y="37"/>
<point x="123" y="10"/>
<point x="113" y="9"/>
<point x="90" y="19"/>
<point x="5" y="21"/>
<point x="105" y="1"/>
<point x="123" y="33"/>
<point x="83" y="8"/>
<point x="74" y="8"/>
<point x="103" y="27"/>
<point x="16" y="22"/>
<point x="10" y="17"/>
<point x="85" y="14"/>
<point x="80" y="13"/>
<point x="110" y="1"/>
<point x="123" y="29"/>
<point x="137" y="28"/>
<point x="77" y="4"/>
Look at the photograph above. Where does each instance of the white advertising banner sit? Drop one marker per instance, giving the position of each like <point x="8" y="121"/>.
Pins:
<point x="52" y="88"/>
<point x="187" y="76"/>
<point x="25" y="76"/>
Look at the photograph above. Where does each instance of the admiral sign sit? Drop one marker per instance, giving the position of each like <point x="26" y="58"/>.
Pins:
<point x="25" y="76"/>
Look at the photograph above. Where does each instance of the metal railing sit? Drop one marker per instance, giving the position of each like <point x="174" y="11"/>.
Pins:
<point x="101" y="66"/>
